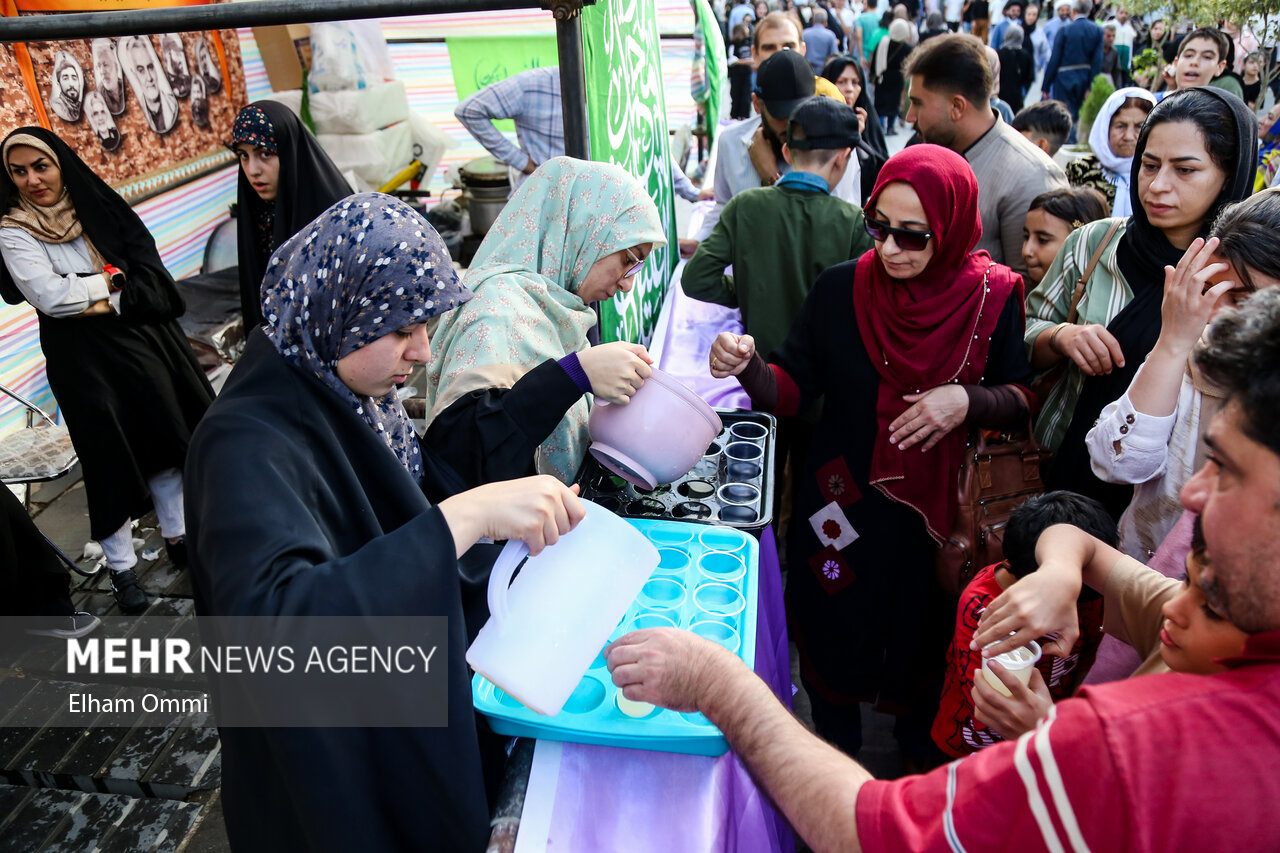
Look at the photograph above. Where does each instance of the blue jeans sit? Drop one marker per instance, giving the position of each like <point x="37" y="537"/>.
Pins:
<point x="1070" y="87"/>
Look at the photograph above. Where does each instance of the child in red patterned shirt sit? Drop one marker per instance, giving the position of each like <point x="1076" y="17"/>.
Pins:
<point x="955" y="730"/>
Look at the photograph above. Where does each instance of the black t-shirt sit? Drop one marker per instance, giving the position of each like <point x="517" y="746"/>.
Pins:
<point x="1251" y="92"/>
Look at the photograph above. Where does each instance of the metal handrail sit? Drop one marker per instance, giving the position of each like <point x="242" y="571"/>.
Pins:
<point x="31" y="407"/>
<point x="178" y="19"/>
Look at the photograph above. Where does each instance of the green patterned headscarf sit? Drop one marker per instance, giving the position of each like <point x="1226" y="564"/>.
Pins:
<point x="525" y="278"/>
<point x="568" y="215"/>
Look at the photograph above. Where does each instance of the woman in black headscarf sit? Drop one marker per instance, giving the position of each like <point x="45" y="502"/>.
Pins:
<point x="286" y="180"/>
<point x="123" y="373"/>
<point x="341" y="512"/>
<point x="1197" y="152"/>
<point x="846" y="73"/>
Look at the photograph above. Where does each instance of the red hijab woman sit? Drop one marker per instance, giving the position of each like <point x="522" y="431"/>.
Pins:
<point x="929" y="322"/>
<point x="906" y="346"/>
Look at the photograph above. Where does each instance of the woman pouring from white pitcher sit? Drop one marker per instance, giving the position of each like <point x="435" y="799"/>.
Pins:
<point x="339" y="511"/>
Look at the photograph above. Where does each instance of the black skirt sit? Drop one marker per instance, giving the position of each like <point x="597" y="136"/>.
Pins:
<point x="131" y="394"/>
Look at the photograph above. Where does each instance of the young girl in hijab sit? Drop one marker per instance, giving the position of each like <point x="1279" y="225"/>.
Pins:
<point x="127" y="384"/>
<point x="286" y="180"/>
<point x="877" y="493"/>
<point x="1112" y="140"/>
<point x="846" y="73"/>
<point x="1196" y="153"/>
<point x="1050" y="218"/>
<point x="573" y="234"/>
<point x="339" y="511"/>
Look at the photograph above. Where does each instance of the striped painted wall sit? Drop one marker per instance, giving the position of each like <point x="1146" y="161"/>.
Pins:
<point x="425" y="69"/>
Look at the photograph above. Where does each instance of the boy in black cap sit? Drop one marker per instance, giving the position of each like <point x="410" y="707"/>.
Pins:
<point x="779" y="238"/>
<point x="750" y="152"/>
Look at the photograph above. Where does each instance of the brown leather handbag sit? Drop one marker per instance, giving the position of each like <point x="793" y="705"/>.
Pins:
<point x="1000" y="470"/>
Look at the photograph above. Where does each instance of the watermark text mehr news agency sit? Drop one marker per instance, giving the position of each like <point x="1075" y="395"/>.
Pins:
<point x="173" y="655"/>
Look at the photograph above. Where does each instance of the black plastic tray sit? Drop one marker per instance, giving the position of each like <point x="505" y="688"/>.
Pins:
<point x="684" y="499"/>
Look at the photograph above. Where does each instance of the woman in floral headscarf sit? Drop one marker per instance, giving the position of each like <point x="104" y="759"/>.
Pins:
<point x="286" y="180"/>
<point x="309" y="495"/>
<point x="573" y="234"/>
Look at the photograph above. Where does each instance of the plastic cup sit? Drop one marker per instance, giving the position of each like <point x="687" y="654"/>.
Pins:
<point x="1019" y="661"/>
<point x="738" y="494"/>
<point x="721" y="566"/>
<point x="718" y="632"/>
<point x="719" y="599"/>
<point x="709" y="464"/>
<point x="662" y="594"/>
<point x="672" y="561"/>
<point x="665" y="536"/>
<point x="652" y="620"/>
<point x="722" y="539"/>
<point x="632" y="708"/>
<point x="741" y="462"/>
<point x="748" y="431"/>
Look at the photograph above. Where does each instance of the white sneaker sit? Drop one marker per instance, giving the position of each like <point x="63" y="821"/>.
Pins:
<point x="69" y="627"/>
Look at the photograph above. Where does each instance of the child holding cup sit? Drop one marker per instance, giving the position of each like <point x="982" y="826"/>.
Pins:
<point x="1167" y="620"/>
<point x="1051" y="676"/>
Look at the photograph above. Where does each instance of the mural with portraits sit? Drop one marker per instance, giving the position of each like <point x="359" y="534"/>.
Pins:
<point x="136" y="105"/>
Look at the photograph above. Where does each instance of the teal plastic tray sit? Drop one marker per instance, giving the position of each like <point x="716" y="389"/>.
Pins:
<point x="706" y="581"/>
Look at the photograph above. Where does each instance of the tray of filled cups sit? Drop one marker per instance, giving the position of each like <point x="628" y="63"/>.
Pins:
<point x="705" y="582"/>
<point x="732" y="484"/>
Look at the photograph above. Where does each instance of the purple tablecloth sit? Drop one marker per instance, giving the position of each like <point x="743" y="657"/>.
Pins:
<point x="682" y="345"/>
<point x="608" y="798"/>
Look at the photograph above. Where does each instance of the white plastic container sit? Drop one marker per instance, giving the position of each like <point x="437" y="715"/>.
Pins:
<point x="547" y="627"/>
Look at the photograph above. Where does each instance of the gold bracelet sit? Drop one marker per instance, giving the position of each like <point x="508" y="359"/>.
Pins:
<point x="1053" y="338"/>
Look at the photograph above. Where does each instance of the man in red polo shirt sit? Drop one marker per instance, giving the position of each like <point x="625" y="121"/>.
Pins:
<point x="1161" y="762"/>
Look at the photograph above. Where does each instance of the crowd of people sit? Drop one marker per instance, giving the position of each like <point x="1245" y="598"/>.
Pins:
<point x="892" y="306"/>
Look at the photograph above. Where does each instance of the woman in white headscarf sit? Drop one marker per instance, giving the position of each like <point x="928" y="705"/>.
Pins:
<point x="1113" y="138"/>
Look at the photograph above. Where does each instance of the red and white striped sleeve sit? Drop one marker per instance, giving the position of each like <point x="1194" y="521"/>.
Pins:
<point x="1055" y="788"/>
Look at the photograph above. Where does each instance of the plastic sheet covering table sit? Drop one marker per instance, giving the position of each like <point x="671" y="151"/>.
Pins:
<point x="594" y="798"/>
<point x="681" y="345"/>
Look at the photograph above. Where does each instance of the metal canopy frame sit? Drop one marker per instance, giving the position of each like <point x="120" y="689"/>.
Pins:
<point x="177" y="19"/>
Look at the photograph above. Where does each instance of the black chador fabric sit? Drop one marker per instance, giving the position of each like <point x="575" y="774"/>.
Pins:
<point x="321" y="519"/>
<point x="308" y="183"/>
<point x="33" y="581"/>
<point x="1142" y="255"/>
<point x="128" y="386"/>
<point x="872" y="150"/>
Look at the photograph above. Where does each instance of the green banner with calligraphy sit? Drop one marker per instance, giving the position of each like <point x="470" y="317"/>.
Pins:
<point x="627" y="117"/>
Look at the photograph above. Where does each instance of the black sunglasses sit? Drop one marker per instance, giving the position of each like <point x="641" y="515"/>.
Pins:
<point x="908" y="241"/>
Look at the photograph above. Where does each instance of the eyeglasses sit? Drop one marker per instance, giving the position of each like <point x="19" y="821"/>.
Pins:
<point x="639" y="264"/>
<point x="907" y="240"/>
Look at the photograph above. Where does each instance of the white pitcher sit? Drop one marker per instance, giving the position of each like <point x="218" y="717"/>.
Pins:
<point x="547" y="627"/>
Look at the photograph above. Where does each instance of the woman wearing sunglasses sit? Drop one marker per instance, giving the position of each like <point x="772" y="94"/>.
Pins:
<point x="909" y="344"/>
<point x="513" y="365"/>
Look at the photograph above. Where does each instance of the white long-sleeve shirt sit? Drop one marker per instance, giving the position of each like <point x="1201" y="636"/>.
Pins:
<point x="1156" y="454"/>
<point x="51" y="275"/>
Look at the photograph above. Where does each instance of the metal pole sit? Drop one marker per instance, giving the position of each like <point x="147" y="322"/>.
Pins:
<point x="180" y="19"/>
<point x="573" y="86"/>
